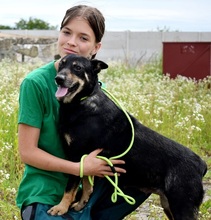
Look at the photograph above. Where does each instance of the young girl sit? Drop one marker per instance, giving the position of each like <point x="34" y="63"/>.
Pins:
<point x="46" y="169"/>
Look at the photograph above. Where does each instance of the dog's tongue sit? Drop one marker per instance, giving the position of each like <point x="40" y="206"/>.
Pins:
<point x="61" y="91"/>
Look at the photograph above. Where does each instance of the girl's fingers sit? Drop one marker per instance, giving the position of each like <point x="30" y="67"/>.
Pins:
<point x="95" y="152"/>
<point x="117" y="161"/>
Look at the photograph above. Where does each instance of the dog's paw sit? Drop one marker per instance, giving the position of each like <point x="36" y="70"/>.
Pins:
<point x="57" y="210"/>
<point x="77" y="206"/>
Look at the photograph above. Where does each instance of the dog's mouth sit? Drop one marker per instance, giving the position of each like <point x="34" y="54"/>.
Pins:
<point x="64" y="91"/>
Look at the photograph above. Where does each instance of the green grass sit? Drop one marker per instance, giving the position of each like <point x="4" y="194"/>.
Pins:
<point x="179" y="109"/>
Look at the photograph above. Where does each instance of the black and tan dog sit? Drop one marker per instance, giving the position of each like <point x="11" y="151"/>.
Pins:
<point x="156" y="164"/>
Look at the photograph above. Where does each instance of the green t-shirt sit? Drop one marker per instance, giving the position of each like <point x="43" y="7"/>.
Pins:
<point x="38" y="107"/>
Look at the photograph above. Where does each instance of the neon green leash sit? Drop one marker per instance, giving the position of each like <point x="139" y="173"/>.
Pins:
<point x="117" y="190"/>
<point x="130" y="121"/>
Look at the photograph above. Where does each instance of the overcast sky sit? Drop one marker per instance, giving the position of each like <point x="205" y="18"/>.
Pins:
<point x="120" y="15"/>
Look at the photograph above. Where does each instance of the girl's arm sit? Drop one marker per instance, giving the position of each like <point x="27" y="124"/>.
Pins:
<point x="30" y="154"/>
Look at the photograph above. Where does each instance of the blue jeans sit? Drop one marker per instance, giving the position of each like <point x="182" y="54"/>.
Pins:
<point x="99" y="207"/>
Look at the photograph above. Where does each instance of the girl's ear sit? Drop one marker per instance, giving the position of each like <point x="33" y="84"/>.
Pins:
<point x="98" y="65"/>
<point x="95" y="50"/>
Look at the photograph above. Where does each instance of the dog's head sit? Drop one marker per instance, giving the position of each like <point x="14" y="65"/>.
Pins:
<point x="77" y="77"/>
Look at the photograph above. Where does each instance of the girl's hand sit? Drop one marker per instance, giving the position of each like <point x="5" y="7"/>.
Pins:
<point x="93" y="166"/>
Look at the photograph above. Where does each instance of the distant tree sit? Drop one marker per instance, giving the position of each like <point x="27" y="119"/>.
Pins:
<point x="5" y="27"/>
<point x="34" y="23"/>
<point x="164" y="29"/>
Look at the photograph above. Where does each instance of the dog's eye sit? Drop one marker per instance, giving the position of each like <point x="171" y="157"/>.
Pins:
<point x="77" y="67"/>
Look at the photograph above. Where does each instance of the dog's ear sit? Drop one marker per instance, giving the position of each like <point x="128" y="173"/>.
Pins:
<point x="98" y="65"/>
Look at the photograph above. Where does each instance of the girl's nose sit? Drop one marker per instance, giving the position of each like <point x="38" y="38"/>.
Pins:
<point x="72" y="41"/>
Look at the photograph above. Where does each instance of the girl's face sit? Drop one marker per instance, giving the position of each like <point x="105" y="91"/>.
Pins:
<point x="77" y="37"/>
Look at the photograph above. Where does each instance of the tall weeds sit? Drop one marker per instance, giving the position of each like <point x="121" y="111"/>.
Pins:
<point x="179" y="109"/>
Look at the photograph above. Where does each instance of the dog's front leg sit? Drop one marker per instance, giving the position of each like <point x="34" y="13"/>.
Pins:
<point x="68" y="197"/>
<point x="63" y="206"/>
<point x="87" y="191"/>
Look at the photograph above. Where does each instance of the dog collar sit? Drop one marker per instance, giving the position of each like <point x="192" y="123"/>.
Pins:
<point x="83" y="98"/>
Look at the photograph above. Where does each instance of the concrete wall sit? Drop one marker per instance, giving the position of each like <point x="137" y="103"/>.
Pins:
<point x="143" y="46"/>
<point x="133" y="47"/>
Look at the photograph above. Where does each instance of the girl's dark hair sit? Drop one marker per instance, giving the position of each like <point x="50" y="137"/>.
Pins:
<point x="93" y="16"/>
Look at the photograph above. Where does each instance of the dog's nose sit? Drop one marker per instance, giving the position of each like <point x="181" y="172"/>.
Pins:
<point x="60" y="79"/>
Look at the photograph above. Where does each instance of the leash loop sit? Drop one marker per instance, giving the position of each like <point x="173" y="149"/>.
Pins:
<point x="117" y="190"/>
<point x="82" y="165"/>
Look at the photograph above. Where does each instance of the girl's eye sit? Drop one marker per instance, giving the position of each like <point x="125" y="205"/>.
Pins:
<point x="84" y="38"/>
<point x="66" y="32"/>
